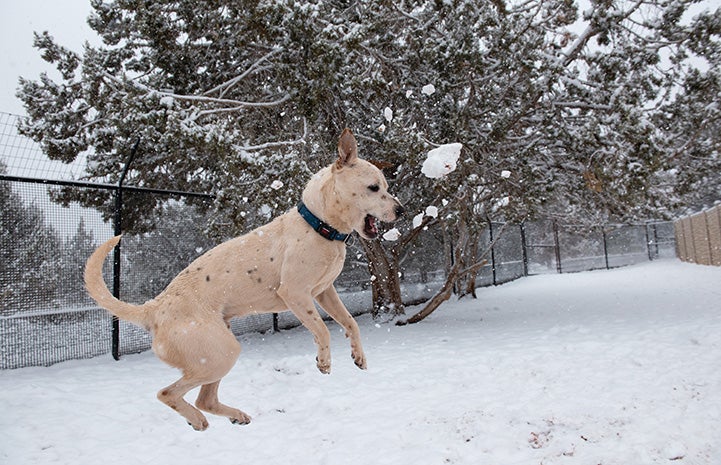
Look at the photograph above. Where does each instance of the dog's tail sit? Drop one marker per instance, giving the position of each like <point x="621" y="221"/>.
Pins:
<point x="98" y="290"/>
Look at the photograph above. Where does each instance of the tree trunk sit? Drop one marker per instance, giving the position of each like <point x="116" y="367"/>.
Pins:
<point x="446" y="291"/>
<point x="441" y="296"/>
<point x="385" y="279"/>
<point x="468" y="282"/>
<point x="456" y="273"/>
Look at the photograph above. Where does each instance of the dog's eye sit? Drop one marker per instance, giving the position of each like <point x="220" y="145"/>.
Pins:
<point x="374" y="188"/>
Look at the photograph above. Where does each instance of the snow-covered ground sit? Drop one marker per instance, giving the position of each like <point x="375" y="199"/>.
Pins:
<point x="606" y="367"/>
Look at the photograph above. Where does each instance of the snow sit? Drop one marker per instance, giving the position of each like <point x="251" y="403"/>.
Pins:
<point x="428" y="89"/>
<point x="441" y="160"/>
<point x="613" y="367"/>
<point x="392" y="235"/>
<point x="167" y="101"/>
<point x="505" y="174"/>
<point x="502" y="202"/>
<point x="388" y="114"/>
<point x="431" y="211"/>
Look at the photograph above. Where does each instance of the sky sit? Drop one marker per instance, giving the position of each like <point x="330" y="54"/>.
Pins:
<point x="65" y="20"/>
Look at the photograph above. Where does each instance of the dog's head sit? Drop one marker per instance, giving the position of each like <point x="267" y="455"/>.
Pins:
<point x="362" y="189"/>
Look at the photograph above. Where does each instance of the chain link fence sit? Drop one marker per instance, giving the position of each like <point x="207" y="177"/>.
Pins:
<point x="47" y="317"/>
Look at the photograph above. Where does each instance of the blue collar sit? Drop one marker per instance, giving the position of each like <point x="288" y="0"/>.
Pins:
<point x="321" y="227"/>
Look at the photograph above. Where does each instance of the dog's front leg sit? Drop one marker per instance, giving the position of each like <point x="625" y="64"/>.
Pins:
<point x="301" y="304"/>
<point x="333" y="306"/>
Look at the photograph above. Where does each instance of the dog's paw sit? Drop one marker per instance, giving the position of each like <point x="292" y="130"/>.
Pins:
<point x="359" y="360"/>
<point x="200" y="426"/>
<point x="324" y="367"/>
<point x="240" y="419"/>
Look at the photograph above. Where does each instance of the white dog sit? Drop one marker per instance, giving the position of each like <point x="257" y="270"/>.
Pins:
<point x="283" y="265"/>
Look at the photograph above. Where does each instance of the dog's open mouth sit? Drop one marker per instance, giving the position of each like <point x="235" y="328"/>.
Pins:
<point x="370" y="230"/>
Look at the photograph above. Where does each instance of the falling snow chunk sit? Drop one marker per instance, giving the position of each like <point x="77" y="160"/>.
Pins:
<point x="432" y="211"/>
<point x="388" y="114"/>
<point x="276" y="184"/>
<point x="409" y="93"/>
<point x="505" y="174"/>
<point x="417" y="220"/>
<point x="428" y="89"/>
<point x="392" y="235"/>
<point x="441" y="160"/>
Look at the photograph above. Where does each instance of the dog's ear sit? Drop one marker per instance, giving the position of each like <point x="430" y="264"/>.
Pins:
<point x="347" y="149"/>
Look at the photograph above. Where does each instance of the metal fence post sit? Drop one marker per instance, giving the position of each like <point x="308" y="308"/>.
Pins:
<point x="118" y="229"/>
<point x="652" y="241"/>
<point x="524" y="251"/>
<point x="648" y="242"/>
<point x="493" y="251"/>
<point x="557" y="246"/>
<point x="605" y="247"/>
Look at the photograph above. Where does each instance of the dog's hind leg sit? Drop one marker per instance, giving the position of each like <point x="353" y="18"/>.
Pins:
<point x="205" y="355"/>
<point x="208" y="402"/>
<point x="172" y="396"/>
<point x="333" y="306"/>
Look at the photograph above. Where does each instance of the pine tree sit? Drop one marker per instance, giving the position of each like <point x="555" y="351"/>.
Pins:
<point x="75" y="251"/>
<point x="568" y="114"/>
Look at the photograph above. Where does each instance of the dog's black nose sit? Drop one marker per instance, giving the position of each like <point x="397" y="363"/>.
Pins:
<point x="400" y="211"/>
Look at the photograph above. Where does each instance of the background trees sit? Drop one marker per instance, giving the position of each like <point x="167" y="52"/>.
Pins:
<point x="39" y="269"/>
<point x="605" y="114"/>
<point x="28" y="274"/>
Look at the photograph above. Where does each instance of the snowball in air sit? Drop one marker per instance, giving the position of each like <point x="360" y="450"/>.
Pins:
<point x="428" y="89"/>
<point x="392" y="235"/>
<point x="432" y="211"/>
<point x="505" y="174"/>
<point x="277" y="184"/>
<point x="388" y="114"/>
<point x="417" y="220"/>
<point x="441" y="160"/>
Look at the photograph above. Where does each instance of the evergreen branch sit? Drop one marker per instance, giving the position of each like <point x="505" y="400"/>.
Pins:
<point x="227" y="85"/>
<point x="582" y="105"/>
<point x="272" y="145"/>
<point x="236" y="104"/>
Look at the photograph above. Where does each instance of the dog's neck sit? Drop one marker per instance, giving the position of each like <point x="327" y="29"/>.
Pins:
<point x="320" y="191"/>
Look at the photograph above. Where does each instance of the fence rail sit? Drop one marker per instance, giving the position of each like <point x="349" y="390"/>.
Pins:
<point x="47" y="317"/>
<point x="698" y="237"/>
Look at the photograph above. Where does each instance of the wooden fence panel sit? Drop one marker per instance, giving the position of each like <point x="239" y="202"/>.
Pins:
<point x="698" y="237"/>
<point x="713" y="221"/>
